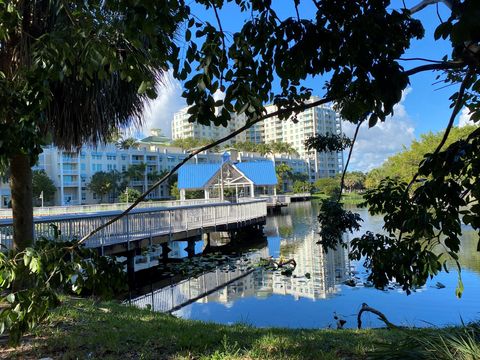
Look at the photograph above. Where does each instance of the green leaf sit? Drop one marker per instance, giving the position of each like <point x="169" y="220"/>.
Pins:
<point x="10" y="298"/>
<point x="143" y="87"/>
<point x="460" y="288"/>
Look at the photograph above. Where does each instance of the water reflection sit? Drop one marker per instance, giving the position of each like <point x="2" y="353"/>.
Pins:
<point x="316" y="276"/>
<point x="314" y="292"/>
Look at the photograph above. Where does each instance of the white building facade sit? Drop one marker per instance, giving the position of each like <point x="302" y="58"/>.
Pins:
<point x="316" y="120"/>
<point x="71" y="172"/>
<point x="297" y="129"/>
<point x="182" y="128"/>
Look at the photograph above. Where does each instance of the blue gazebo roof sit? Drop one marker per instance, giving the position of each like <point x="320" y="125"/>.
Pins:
<point x="262" y="173"/>
<point x="196" y="176"/>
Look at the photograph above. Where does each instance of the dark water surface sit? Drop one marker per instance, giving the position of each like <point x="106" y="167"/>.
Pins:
<point x="314" y="293"/>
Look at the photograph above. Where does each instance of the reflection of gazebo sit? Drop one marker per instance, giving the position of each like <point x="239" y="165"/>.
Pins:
<point x="247" y="178"/>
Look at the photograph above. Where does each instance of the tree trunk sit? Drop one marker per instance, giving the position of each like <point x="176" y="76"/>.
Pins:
<point x="22" y="207"/>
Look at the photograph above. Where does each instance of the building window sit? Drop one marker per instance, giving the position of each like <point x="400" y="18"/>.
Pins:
<point x="111" y="157"/>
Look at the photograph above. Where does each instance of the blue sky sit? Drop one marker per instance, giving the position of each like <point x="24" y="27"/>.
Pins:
<point x="424" y="107"/>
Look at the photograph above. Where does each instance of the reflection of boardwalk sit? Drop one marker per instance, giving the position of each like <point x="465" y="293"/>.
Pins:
<point x="326" y="271"/>
<point x="184" y="292"/>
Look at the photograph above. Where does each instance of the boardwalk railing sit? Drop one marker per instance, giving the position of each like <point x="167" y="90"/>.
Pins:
<point x="94" y="208"/>
<point x="141" y="223"/>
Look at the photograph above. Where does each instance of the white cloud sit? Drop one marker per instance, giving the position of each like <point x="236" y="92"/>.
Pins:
<point x="464" y="118"/>
<point x="374" y="145"/>
<point x="159" y="112"/>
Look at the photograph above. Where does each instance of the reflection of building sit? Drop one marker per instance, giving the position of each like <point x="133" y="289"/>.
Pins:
<point x="326" y="270"/>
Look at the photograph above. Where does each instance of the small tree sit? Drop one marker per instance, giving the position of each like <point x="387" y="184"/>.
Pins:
<point x="174" y="192"/>
<point x="327" y="186"/>
<point x="300" y="186"/>
<point x="284" y="173"/>
<point x="129" y="195"/>
<point x="101" y="184"/>
<point x="42" y="183"/>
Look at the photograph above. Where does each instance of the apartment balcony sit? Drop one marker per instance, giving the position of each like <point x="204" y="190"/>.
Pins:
<point x="70" y="171"/>
<point x="137" y="162"/>
<point x="70" y="184"/>
<point x="137" y="183"/>
<point x="69" y="160"/>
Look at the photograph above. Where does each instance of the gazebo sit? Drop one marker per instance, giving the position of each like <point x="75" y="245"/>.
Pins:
<point x="247" y="178"/>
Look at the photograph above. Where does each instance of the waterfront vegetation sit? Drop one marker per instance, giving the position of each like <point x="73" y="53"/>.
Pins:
<point x="84" y="328"/>
<point x="53" y="75"/>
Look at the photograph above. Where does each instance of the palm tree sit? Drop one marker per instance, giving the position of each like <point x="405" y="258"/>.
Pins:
<point x="280" y="147"/>
<point x="127" y="143"/>
<point x="264" y="149"/>
<point x="135" y="172"/>
<point x="75" y="71"/>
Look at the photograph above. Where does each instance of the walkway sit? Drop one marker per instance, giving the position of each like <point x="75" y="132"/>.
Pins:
<point x="146" y="226"/>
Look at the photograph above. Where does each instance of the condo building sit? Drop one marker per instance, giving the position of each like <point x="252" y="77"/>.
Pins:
<point x="316" y="120"/>
<point x="71" y="172"/>
<point x="182" y="128"/>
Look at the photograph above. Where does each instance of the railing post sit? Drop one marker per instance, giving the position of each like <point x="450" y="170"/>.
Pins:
<point x="128" y="230"/>
<point x="215" y="217"/>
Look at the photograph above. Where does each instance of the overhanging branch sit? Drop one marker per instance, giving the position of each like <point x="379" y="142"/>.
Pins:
<point x="425" y="3"/>
<point x="450" y="65"/>
<point x="342" y="182"/>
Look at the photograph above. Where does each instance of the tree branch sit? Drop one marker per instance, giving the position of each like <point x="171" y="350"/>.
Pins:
<point x="342" y="182"/>
<point x="425" y="3"/>
<point x="298" y="108"/>
<point x="222" y="36"/>
<point x="442" y="66"/>
<point x="380" y="315"/>
<point x="456" y="110"/>
<point x="458" y="106"/>
<point x="422" y="59"/>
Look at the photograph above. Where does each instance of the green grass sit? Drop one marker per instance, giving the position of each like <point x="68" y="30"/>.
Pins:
<point x="347" y="198"/>
<point x="83" y="329"/>
<point x="352" y="198"/>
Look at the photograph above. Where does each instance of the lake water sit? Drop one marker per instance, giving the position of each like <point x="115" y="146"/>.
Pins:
<point x="314" y="293"/>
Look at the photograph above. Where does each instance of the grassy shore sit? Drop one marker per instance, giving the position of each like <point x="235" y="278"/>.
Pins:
<point x="82" y="329"/>
<point x="347" y="198"/>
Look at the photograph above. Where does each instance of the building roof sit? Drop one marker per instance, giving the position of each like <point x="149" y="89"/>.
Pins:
<point x="196" y="176"/>
<point x="262" y="173"/>
<point x="156" y="140"/>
